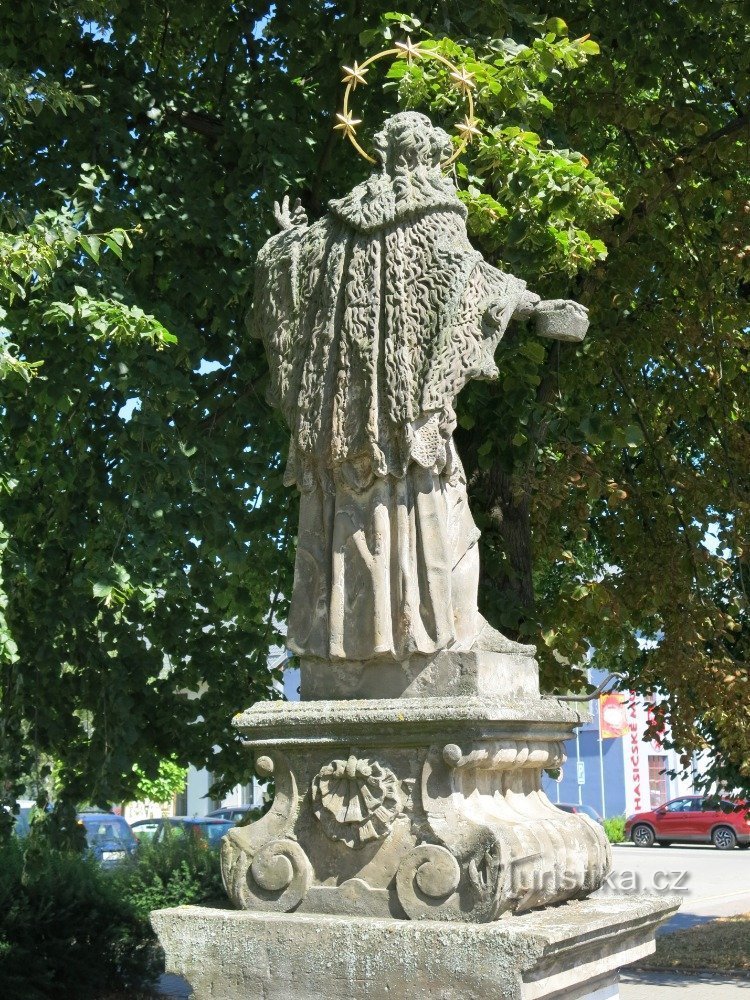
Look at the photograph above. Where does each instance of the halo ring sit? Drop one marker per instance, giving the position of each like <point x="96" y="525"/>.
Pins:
<point x="406" y="53"/>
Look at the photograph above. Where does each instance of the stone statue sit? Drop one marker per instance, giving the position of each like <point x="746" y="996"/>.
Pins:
<point x="408" y="807"/>
<point x="373" y="319"/>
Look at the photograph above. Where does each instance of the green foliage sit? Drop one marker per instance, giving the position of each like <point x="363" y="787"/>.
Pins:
<point x="174" y="873"/>
<point x="147" y="533"/>
<point x="65" y="929"/>
<point x="168" y="781"/>
<point x="614" y="827"/>
<point x="68" y="929"/>
<point x="522" y="191"/>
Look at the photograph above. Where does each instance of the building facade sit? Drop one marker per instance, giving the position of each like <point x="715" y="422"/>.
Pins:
<point x="610" y="766"/>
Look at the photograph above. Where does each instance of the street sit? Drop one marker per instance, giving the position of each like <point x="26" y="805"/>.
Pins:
<point x="713" y="883"/>
<point x="670" y="986"/>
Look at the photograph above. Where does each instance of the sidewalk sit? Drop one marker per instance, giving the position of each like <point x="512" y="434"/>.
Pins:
<point x="636" y="985"/>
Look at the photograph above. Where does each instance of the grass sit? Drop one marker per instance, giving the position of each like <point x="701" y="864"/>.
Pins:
<point x="722" y="945"/>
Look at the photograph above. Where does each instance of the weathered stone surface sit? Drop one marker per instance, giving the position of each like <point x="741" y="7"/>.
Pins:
<point x="408" y="778"/>
<point x="479" y="672"/>
<point x="566" y="952"/>
<point x="557" y="319"/>
<point x="373" y="319"/>
<point x="406" y="720"/>
<point x="421" y="808"/>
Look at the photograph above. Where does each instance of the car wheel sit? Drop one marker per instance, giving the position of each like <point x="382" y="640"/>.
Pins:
<point x="724" y="838"/>
<point x="642" y="836"/>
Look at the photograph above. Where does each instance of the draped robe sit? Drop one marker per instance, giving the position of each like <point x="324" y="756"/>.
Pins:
<point x="373" y="320"/>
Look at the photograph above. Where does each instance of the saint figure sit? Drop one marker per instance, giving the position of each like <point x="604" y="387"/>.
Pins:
<point x="373" y="319"/>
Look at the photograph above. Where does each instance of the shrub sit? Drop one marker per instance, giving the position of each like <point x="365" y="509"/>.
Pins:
<point x="170" y="874"/>
<point x="72" y="931"/>
<point x="614" y="827"/>
<point x="65" y="931"/>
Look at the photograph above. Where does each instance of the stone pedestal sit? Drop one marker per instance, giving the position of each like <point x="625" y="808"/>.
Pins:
<point x="410" y="851"/>
<point x="423" y="806"/>
<point x="568" y="951"/>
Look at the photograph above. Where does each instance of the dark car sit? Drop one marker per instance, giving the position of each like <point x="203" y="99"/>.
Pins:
<point x="577" y="807"/>
<point x="236" y="814"/>
<point x="692" y="819"/>
<point x="202" y="829"/>
<point x="108" y="837"/>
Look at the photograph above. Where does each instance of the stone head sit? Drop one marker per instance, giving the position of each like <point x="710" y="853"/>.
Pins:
<point x="409" y="143"/>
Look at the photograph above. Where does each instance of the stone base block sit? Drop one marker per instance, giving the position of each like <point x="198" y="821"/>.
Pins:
<point x="479" y="672"/>
<point x="561" y="953"/>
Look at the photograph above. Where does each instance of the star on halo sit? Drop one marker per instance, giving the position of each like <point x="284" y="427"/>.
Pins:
<point x="354" y="75"/>
<point x="408" y="50"/>
<point x="463" y="80"/>
<point x="467" y="129"/>
<point x="347" y="124"/>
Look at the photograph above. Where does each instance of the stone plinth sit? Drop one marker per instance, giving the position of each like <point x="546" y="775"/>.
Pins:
<point x="412" y="808"/>
<point x="569" y="951"/>
<point x="481" y="672"/>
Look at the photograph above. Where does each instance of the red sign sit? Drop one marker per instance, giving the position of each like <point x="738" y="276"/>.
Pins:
<point x="613" y="715"/>
<point x="635" y="752"/>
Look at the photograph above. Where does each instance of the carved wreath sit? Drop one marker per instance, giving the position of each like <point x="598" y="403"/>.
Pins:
<point x="356" y="800"/>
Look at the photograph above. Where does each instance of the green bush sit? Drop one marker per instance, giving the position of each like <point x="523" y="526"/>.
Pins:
<point x="170" y="874"/>
<point x="614" y="827"/>
<point x="65" y="931"/>
<point x="72" y="931"/>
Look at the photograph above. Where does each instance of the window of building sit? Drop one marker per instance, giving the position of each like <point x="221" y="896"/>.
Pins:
<point x="658" y="781"/>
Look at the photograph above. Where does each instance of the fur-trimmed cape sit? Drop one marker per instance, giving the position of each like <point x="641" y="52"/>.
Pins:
<point x="373" y="320"/>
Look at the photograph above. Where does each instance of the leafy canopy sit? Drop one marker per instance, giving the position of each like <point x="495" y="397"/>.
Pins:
<point x="147" y="543"/>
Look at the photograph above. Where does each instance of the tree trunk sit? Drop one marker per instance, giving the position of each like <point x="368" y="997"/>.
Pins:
<point x="507" y="587"/>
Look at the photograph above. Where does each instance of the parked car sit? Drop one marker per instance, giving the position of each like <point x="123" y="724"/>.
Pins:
<point x="692" y="819"/>
<point x="108" y="837"/>
<point x="203" y="829"/>
<point x="577" y="807"/>
<point x="236" y="814"/>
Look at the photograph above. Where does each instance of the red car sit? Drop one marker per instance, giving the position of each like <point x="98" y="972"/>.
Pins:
<point x="693" y="819"/>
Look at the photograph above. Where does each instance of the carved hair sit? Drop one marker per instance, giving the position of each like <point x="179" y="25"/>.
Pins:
<point x="409" y="143"/>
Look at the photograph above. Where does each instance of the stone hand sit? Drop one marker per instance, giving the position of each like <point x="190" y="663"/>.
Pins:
<point x="561" y="319"/>
<point x="286" y="218"/>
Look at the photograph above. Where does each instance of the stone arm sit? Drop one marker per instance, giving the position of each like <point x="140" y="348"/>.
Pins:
<point x="556" y="319"/>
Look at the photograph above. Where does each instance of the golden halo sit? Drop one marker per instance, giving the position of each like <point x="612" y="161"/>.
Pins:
<point x="355" y="74"/>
